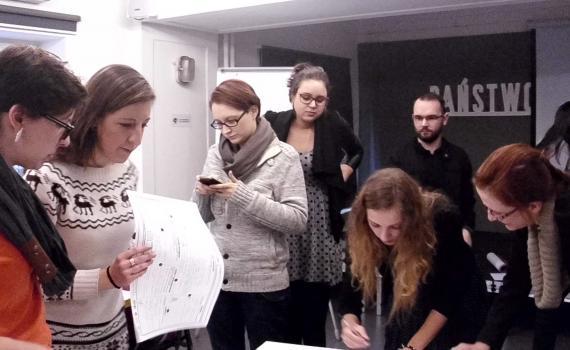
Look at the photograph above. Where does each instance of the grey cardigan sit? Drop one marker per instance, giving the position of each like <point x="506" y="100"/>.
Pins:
<point x="250" y="227"/>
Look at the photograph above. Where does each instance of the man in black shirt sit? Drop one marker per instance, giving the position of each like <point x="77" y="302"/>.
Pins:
<point x="435" y="162"/>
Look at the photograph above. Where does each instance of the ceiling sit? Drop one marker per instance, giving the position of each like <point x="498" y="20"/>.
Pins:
<point x="247" y="15"/>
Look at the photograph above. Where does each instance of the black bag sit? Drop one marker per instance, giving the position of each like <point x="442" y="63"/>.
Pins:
<point x="179" y="339"/>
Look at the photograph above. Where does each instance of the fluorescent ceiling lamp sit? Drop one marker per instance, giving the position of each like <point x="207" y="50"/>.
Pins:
<point x="31" y="1"/>
<point x="177" y="8"/>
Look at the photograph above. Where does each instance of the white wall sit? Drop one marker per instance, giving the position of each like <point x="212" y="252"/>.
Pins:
<point x="552" y="73"/>
<point x="341" y="39"/>
<point x="335" y="39"/>
<point x="106" y="36"/>
<point x="171" y="155"/>
<point x="62" y="6"/>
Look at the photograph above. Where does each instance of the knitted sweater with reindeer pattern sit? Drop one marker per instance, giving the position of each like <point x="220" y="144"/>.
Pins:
<point x="91" y="211"/>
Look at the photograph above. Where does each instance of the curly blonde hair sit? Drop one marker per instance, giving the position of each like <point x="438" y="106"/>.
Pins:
<point x="410" y="259"/>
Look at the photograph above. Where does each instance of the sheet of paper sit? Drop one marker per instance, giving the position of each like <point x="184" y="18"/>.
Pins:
<point x="180" y="288"/>
<point x="269" y="345"/>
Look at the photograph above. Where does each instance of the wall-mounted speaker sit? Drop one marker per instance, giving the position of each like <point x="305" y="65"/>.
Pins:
<point x="185" y="70"/>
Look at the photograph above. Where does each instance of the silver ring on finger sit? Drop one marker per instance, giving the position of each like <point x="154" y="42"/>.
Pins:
<point x="132" y="261"/>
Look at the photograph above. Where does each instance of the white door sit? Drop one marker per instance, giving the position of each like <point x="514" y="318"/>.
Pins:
<point x="180" y="134"/>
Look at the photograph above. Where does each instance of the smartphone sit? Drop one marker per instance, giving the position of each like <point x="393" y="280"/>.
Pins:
<point x="209" y="181"/>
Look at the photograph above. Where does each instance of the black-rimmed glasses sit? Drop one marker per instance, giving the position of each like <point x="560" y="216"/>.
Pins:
<point x="216" y="124"/>
<point x="66" y="126"/>
<point x="427" y="118"/>
<point x="308" y="98"/>
<point x="500" y="216"/>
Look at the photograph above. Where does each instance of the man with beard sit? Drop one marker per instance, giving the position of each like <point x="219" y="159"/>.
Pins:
<point x="436" y="163"/>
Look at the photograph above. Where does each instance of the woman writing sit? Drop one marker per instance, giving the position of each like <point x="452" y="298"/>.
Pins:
<point x="261" y="199"/>
<point x="523" y="191"/>
<point x="329" y="153"/>
<point x="83" y="191"/>
<point x="415" y="242"/>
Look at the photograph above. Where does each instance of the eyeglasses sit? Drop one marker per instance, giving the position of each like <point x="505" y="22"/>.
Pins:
<point x="66" y="126"/>
<point x="501" y="216"/>
<point x="308" y="98"/>
<point x="427" y="118"/>
<point x="216" y="124"/>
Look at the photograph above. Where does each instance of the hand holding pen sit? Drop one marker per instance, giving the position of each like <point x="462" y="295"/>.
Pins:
<point x="354" y="335"/>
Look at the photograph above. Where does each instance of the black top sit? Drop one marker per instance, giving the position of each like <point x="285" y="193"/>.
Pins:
<point x="335" y="143"/>
<point x="448" y="169"/>
<point x="517" y="284"/>
<point x="454" y="288"/>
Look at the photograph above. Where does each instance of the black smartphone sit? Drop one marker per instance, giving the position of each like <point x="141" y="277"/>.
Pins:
<point x="209" y="181"/>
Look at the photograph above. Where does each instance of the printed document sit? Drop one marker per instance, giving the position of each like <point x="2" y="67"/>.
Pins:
<point x="179" y="289"/>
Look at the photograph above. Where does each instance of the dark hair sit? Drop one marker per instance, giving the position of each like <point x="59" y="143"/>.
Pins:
<point x="559" y="131"/>
<point x="430" y="96"/>
<point x="110" y="89"/>
<point x="306" y="71"/>
<point x="237" y="94"/>
<point x="37" y="80"/>
<point x="519" y="174"/>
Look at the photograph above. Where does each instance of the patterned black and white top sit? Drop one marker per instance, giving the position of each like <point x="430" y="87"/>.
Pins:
<point x="91" y="210"/>
<point x="315" y="256"/>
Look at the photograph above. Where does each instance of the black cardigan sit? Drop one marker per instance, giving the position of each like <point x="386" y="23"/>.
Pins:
<point x="334" y="142"/>
<point x="517" y="284"/>
<point x="447" y="169"/>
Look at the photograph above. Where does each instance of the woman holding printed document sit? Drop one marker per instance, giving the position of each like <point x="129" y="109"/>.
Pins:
<point x="253" y="193"/>
<point x="84" y="191"/>
<point x="523" y="191"/>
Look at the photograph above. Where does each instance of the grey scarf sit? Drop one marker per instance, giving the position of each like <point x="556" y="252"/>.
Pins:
<point x="242" y="160"/>
<point x="545" y="260"/>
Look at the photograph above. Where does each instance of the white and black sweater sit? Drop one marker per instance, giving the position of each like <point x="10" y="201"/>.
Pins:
<point x="91" y="211"/>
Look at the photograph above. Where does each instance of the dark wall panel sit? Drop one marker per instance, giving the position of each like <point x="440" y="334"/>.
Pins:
<point x="489" y="81"/>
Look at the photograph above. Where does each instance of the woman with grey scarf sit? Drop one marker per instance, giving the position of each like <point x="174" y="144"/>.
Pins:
<point x="252" y="190"/>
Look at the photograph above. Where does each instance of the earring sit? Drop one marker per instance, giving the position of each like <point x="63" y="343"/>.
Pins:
<point x="18" y="135"/>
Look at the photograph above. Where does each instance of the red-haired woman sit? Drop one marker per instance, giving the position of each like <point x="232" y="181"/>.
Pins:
<point x="523" y="191"/>
<point x="259" y="201"/>
<point x="415" y="241"/>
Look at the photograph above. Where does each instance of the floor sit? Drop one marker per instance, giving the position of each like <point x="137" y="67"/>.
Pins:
<point x="519" y="339"/>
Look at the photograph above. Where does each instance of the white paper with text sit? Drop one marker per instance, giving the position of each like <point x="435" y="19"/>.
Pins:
<point x="180" y="288"/>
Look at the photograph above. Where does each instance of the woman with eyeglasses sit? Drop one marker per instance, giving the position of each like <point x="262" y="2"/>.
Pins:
<point x="524" y="192"/>
<point x="329" y="153"/>
<point x="84" y="191"/>
<point x="253" y="193"/>
<point x="38" y="96"/>
<point x="414" y="239"/>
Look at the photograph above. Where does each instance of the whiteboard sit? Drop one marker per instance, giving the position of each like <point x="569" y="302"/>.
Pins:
<point x="269" y="83"/>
